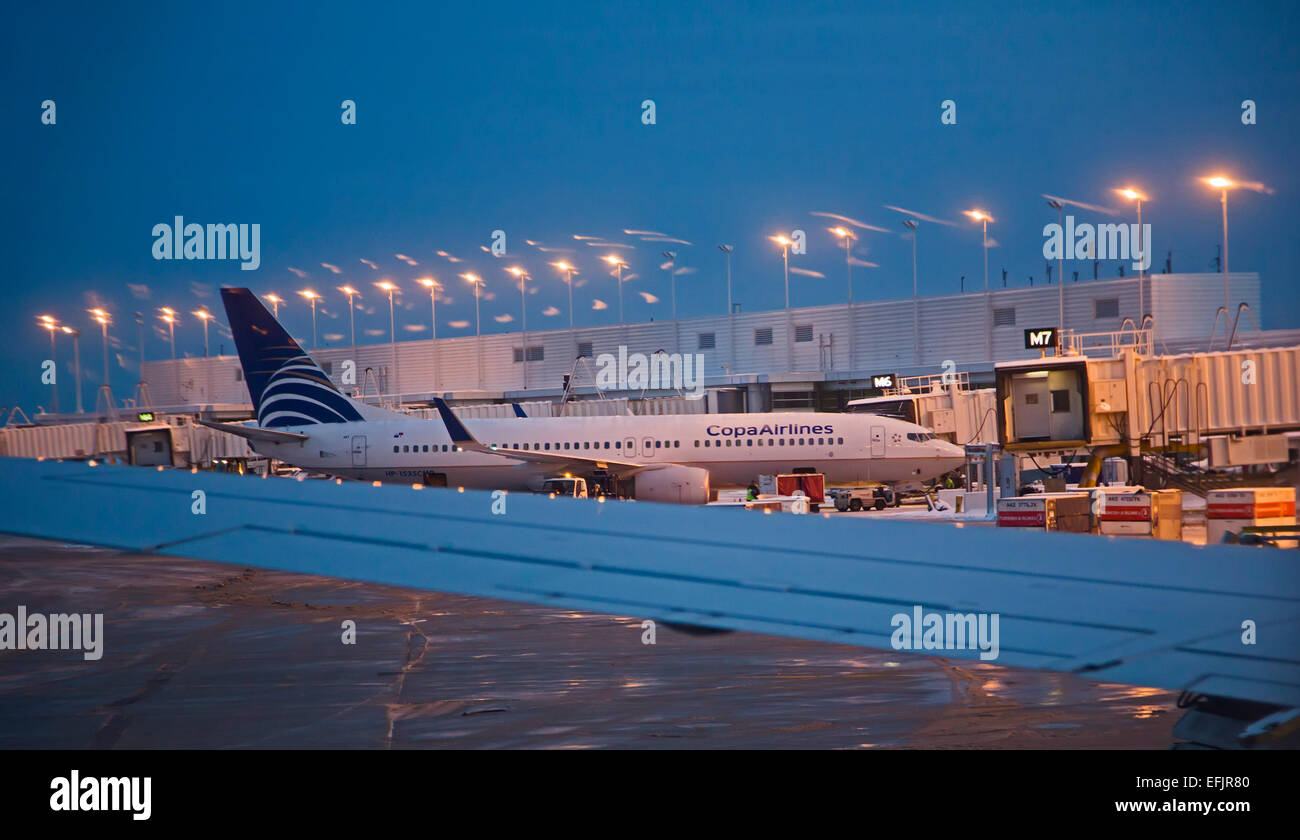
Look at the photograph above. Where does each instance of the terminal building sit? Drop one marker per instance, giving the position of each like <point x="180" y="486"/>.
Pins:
<point x="817" y="358"/>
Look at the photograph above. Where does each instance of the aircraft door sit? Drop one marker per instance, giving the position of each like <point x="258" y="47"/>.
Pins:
<point x="629" y="448"/>
<point x="647" y="447"/>
<point x="877" y="441"/>
<point x="358" y="450"/>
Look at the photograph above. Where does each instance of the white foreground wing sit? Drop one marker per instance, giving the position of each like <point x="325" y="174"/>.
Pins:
<point x="1126" y="610"/>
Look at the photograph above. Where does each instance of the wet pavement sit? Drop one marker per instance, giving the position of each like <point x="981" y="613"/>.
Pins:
<point x="207" y="655"/>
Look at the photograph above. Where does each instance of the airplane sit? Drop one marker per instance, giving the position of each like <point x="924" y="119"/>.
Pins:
<point x="303" y="419"/>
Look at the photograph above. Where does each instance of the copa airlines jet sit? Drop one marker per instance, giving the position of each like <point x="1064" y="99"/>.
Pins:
<point x="304" y="420"/>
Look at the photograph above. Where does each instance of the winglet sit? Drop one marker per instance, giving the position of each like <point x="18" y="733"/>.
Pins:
<point x="455" y="428"/>
<point x="519" y="412"/>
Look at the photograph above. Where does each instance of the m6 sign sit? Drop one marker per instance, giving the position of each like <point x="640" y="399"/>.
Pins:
<point x="1041" y="339"/>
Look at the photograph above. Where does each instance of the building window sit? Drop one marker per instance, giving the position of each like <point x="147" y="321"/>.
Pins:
<point x="1105" y="308"/>
<point x="535" y="354"/>
<point x="707" y="341"/>
<point x="762" y="335"/>
<point x="328" y="367"/>
<point x="803" y="332"/>
<point x="584" y="349"/>
<point x="1004" y="317"/>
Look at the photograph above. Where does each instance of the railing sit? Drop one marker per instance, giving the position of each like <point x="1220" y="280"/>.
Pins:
<point x="928" y="383"/>
<point x="1111" y="343"/>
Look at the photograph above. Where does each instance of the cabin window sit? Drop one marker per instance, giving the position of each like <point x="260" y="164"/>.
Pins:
<point x="677" y="444"/>
<point x="394" y="448"/>
<point x="841" y="441"/>
<point x="607" y="444"/>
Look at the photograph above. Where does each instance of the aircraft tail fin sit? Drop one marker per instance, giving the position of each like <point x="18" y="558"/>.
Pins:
<point x="287" y="387"/>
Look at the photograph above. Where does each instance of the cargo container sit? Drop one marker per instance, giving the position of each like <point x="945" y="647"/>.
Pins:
<point x="1070" y="512"/>
<point x="1228" y="511"/>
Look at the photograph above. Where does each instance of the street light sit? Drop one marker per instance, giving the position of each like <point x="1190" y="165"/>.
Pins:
<point x="433" y="287"/>
<point x="569" y="271"/>
<point x="204" y="316"/>
<point x="731" y="321"/>
<point x="352" y="323"/>
<point x="275" y="304"/>
<point x="521" y="277"/>
<point x="672" y="292"/>
<point x="1133" y="195"/>
<point x="50" y="326"/>
<point x="169" y="315"/>
<point x="1223" y="185"/>
<point x="103" y="318"/>
<point x="392" y="336"/>
<point x="912" y="225"/>
<point x="984" y="218"/>
<point x="1059" y="207"/>
<point x="785" y="242"/>
<point x="311" y="296"/>
<point x="76" y="362"/>
<point x="478" y="334"/>
<point x="846" y="236"/>
<point x="619" y="265"/>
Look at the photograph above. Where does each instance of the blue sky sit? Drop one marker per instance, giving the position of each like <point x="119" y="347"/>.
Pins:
<point x="527" y="118"/>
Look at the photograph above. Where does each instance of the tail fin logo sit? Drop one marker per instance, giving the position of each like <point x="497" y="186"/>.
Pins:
<point x="299" y="393"/>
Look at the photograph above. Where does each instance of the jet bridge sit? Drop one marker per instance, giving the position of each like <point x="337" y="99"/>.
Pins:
<point x="1221" y="409"/>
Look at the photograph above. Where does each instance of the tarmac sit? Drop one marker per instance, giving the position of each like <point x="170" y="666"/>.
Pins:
<point x="204" y="655"/>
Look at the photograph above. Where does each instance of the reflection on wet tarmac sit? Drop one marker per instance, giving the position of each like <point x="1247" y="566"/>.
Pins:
<point x="207" y="655"/>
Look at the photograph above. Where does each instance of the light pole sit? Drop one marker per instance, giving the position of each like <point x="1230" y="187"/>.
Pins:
<point x="619" y="265"/>
<point x="522" y="278"/>
<point x="392" y="338"/>
<point x="912" y="225"/>
<point x="50" y="326"/>
<point x="76" y="363"/>
<point x="203" y="315"/>
<point x="980" y="216"/>
<point x="478" y="334"/>
<point x="785" y="242"/>
<point x="433" y="287"/>
<point x="103" y="318"/>
<point x="1133" y="195"/>
<point x="275" y="305"/>
<point x="569" y="271"/>
<point x="1060" y="270"/>
<point x="671" y="256"/>
<point x="311" y="296"/>
<point x="1223" y="185"/>
<point x="731" y="320"/>
<point x="352" y="322"/>
<point x="846" y="236"/>
<point x="169" y="315"/>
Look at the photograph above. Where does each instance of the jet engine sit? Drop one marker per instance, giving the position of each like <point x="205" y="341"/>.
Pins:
<point x="673" y="484"/>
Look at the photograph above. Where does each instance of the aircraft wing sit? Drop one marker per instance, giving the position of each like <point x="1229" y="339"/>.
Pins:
<point x="255" y="432"/>
<point x="462" y="437"/>
<point x="1142" y="612"/>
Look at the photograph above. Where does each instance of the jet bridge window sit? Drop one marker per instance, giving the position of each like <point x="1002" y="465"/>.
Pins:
<point x="1061" y="401"/>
